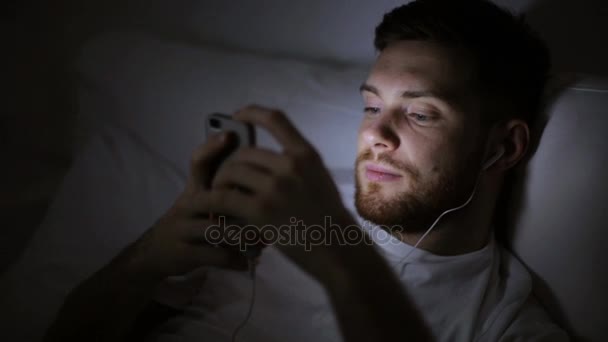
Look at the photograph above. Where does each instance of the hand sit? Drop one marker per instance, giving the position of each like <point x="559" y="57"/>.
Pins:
<point x="176" y="245"/>
<point x="278" y="186"/>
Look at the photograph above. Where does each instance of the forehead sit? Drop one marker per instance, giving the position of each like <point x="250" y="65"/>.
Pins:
<point x="422" y="65"/>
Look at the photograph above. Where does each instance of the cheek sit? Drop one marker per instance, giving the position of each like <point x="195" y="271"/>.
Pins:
<point x="361" y="143"/>
<point x="450" y="153"/>
<point x="419" y="149"/>
<point x="432" y="157"/>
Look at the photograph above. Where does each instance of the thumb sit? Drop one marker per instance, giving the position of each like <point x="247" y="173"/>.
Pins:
<point x="207" y="158"/>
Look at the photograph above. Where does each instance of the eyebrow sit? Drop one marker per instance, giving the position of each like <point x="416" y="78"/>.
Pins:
<point x="405" y="94"/>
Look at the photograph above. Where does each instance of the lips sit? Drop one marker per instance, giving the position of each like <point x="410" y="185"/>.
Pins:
<point x="380" y="174"/>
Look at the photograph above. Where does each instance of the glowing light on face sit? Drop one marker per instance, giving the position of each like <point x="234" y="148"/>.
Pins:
<point x="412" y="167"/>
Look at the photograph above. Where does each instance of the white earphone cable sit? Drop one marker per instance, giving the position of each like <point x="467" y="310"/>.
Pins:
<point x="252" y="266"/>
<point x="436" y="221"/>
<point x="489" y="163"/>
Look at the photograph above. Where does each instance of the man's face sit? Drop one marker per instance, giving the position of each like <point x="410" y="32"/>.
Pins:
<point x="419" y="147"/>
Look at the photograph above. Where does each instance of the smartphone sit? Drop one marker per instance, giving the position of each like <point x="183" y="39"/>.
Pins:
<point x="244" y="132"/>
<point x="218" y="123"/>
<point x="245" y="136"/>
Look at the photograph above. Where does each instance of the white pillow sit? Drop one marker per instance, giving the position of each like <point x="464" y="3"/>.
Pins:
<point x="560" y="210"/>
<point x="116" y="189"/>
<point x="163" y="91"/>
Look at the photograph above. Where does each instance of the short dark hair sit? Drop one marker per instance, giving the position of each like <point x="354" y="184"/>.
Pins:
<point x="512" y="63"/>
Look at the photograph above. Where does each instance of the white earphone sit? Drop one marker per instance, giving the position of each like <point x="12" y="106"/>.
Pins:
<point x="494" y="158"/>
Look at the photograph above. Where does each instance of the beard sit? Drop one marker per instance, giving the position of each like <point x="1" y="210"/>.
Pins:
<point x="413" y="210"/>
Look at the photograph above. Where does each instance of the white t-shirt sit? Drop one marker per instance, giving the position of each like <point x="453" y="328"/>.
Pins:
<point x="480" y="296"/>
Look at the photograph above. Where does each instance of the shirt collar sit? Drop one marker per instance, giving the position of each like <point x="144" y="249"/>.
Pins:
<point x="399" y="252"/>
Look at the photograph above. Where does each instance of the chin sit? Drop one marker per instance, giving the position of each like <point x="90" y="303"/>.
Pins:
<point x="378" y="202"/>
<point x="395" y="206"/>
<point x="376" y="208"/>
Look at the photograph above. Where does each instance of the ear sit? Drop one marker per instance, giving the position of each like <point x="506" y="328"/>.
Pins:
<point x="514" y="136"/>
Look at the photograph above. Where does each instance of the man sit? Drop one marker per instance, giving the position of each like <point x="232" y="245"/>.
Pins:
<point x="447" y="107"/>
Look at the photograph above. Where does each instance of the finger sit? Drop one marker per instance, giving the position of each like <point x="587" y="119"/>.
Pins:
<point x="195" y="230"/>
<point x="261" y="157"/>
<point x="217" y="257"/>
<point x="220" y="230"/>
<point x="207" y="157"/>
<point x="244" y="175"/>
<point x="277" y="124"/>
<point x="229" y="202"/>
<point x="216" y="202"/>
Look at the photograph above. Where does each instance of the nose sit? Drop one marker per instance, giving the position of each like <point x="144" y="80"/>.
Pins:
<point x="380" y="136"/>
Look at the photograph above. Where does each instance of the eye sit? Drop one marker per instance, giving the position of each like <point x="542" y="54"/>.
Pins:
<point x="371" y="110"/>
<point x="420" y="117"/>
